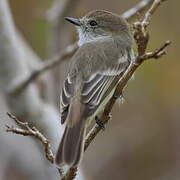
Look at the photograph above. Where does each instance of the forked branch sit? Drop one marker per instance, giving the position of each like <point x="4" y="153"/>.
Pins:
<point x="26" y="130"/>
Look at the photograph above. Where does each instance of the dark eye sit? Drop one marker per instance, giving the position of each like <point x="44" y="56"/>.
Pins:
<point x="93" y="23"/>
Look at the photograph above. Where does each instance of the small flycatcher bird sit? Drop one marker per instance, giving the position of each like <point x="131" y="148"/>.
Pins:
<point x="105" y="51"/>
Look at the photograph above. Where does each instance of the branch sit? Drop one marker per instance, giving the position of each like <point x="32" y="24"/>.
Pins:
<point x="151" y="11"/>
<point x="71" y="49"/>
<point x="55" y="15"/>
<point x="59" y="9"/>
<point x="156" y="53"/>
<point x="26" y="130"/>
<point x="138" y="8"/>
<point x="71" y="174"/>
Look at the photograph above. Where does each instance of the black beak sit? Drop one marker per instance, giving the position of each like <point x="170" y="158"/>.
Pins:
<point x="73" y="21"/>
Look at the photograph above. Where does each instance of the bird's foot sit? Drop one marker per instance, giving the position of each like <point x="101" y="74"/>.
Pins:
<point x="99" y="123"/>
<point x="120" y="98"/>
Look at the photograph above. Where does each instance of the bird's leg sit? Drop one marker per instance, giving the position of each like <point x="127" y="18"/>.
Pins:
<point x="120" y="98"/>
<point x="99" y="123"/>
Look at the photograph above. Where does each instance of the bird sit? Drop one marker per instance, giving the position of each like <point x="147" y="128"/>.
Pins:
<point x="105" y="52"/>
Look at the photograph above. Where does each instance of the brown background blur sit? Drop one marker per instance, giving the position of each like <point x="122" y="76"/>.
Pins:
<point x="142" y="142"/>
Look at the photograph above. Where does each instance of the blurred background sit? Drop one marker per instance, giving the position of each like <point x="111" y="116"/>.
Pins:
<point x="143" y="139"/>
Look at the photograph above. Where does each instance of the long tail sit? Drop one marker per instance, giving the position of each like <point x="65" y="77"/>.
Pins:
<point x="71" y="148"/>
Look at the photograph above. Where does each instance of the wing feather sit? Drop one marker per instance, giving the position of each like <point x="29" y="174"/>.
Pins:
<point x="65" y="98"/>
<point x="97" y="81"/>
<point x="93" y="90"/>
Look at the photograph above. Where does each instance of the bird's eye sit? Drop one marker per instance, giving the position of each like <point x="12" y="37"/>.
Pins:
<point x="93" y="23"/>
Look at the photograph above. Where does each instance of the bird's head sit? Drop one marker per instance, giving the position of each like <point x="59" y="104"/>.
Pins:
<point x="99" y="24"/>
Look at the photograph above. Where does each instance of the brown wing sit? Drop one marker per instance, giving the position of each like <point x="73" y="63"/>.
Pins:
<point x="100" y="85"/>
<point x="92" y="91"/>
<point x="95" y="82"/>
<point x="67" y="93"/>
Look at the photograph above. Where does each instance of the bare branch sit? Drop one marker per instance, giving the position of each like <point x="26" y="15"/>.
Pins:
<point x="141" y="6"/>
<point x="71" y="174"/>
<point x="151" y="11"/>
<point x="59" y="9"/>
<point x="69" y="51"/>
<point x="26" y="130"/>
<point x="156" y="53"/>
<point x="141" y="35"/>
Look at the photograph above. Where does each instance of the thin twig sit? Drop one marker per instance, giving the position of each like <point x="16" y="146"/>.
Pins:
<point x="49" y="64"/>
<point x="26" y="130"/>
<point x="59" y="9"/>
<point x="138" y="8"/>
<point x="151" y="11"/>
<point x="156" y="53"/>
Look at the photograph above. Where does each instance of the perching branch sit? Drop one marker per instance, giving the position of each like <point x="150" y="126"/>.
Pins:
<point x="26" y="130"/>
<point x="71" y="49"/>
<point x="157" y="53"/>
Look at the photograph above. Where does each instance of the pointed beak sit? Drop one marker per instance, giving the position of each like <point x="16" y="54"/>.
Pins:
<point x="74" y="21"/>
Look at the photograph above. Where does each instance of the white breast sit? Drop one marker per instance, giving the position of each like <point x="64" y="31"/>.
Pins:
<point x="87" y="37"/>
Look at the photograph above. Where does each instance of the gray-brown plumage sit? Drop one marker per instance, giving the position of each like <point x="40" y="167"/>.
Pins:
<point x="105" y="51"/>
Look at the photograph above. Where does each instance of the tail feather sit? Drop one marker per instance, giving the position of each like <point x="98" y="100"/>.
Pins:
<point x="72" y="145"/>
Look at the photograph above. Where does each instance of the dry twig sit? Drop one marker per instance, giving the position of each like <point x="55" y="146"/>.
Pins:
<point x="49" y="64"/>
<point x="26" y="130"/>
<point x="71" y="174"/>
<point x="59" y="9"/>
<point x="138" y="8"/>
